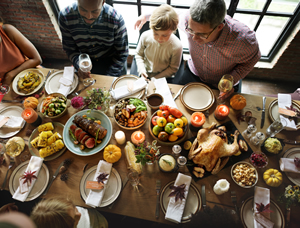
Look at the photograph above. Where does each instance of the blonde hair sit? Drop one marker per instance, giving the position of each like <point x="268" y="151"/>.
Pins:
<point x="51" y="213"/>
<point x="164" y="18"/>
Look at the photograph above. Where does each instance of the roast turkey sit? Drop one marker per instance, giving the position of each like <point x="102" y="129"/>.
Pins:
<point x="211" y="149"/>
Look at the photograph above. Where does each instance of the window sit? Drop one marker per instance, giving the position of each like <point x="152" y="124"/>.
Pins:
<point x="272" y="20"/>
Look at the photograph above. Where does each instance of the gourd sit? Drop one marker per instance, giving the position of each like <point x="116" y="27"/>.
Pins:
<point x="18" y="140"/>
<point x="238" y="102"/>
<point x="30" y="102"/>
<point x="112" y="153"/>
<point x="272" y="177"/>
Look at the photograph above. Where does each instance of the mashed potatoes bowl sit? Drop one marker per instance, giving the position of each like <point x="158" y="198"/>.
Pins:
<point x="272" y="145"/>
<point x="167" y="163"/>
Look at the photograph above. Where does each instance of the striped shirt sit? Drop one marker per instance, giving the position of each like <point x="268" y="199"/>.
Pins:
<point x="105" y="38"/>
<point x="235" y="52"/>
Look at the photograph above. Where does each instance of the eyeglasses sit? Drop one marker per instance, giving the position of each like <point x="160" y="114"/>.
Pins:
<point x="201" y="35"/>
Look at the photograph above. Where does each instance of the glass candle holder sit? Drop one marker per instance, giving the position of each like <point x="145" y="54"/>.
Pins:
<point x="248" y="132"/>
<point x="221" y="112"/>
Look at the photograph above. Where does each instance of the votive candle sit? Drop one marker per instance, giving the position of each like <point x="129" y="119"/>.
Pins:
<point x="137" y="137"/>
<point x="221" y="112"/>
<point x="221" y="186"/>
<point x="197" y="119"/>
<point x="120" y="137"/>
<point x="29" y="115"/>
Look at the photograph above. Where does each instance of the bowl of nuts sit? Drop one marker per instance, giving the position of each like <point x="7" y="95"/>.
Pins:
<point x="244" y="174"/>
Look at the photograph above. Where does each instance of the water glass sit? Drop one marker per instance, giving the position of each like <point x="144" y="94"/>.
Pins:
<point x="276" y="127"/>
<point x="258" y="138"/>
<point x="133" y="177"/>
<point x="176" y="150"/>
<point x="85" y="65"/>
<point x="4" y="89"/>
<point x="248" y="132"/>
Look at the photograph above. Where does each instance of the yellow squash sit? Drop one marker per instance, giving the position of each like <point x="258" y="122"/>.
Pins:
<point x="112" y="153"/>
<point x="272" y="177"/>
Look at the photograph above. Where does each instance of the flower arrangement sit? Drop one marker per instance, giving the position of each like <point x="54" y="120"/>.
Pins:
<point x="77" y="102"/>
<point x="291" y="196"/>
<point x="146" y="152"/>
<point x="98" y="99"/>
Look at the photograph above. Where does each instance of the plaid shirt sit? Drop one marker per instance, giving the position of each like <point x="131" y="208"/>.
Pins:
<point x="105" y="38"/>
<point x="235" y="52"/>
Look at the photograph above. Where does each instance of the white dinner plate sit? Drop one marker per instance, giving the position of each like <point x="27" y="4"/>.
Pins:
<point x="105" y="122"/>
<point x="292" y="153"/>
<point x="39" y="186"/>
<point x="247" y="214"/>
<point x="113" y="187"/>
<point x="22" y="74"/>
<point x="122" y="81"/>
<point x="274" y="115"/>
<point x="197" y="96"/>
<point x="52" y="83"/>
<point x="11" y="111"/>
<point x="193" y="201"/>
<point x="58" y="127"/>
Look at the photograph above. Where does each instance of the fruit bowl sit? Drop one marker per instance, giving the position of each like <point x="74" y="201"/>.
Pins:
<point x="167" y="143"/>
<point x="126" y="118"/>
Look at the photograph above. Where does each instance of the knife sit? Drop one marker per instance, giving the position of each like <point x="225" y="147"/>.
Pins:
<point x="263" y="113"/>
<point x="11" y="101"/>
<point x="124" y="182"/>
<point x="178" y="93"/>
<point x="293" y="142"/>
<point x="203" y="196"/>
<point x="53" y="177"/>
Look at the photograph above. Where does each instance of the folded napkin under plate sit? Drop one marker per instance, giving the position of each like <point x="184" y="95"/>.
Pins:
<point x="95" y="197"/>
<point x="129" y="89"/>
<point x="288" y="165"/>
<point x="13" y="122"/>
<point x="175" y="209"/>
<point x="284" y="101"/>
<point x="66" y="81"/>
<point x="34" y="165"/>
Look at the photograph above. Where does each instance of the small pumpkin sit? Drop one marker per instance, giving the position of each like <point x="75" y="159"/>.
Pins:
<point x="30" y="102"/>
<point x="112" y="153"/>
<point x="272" y="177"/>
<point x="238" y="102"/>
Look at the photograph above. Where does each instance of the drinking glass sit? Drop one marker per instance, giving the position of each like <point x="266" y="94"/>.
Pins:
<point x="226" y="83"/>
<point x="85" y="65"/>
<point x="248" y="132"/>
<point x="133" y="177"/>
<point x="276" y="127"/>
<point x="257" y="138"/>
<point x="4" y="89"/>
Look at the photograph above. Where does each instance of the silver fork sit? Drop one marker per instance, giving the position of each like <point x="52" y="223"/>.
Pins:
<point x="158" y="185"/>
<point x="74" y="94"/>
<point x="4" y="182"/>
<point x="234" y="201"/>
<point x="146" y="92"/>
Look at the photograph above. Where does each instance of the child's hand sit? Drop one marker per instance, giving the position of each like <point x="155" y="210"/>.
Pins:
<point x="145" y="76"/>
<point x="140" y="22"/>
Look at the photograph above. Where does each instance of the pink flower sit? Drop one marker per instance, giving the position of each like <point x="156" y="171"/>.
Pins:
<point x="77" y="102"/>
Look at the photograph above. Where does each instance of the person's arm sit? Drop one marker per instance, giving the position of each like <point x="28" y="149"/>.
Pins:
<point x="27" y="49"/>
<point x="121" y="47"/>
<point x="140" y="56"/>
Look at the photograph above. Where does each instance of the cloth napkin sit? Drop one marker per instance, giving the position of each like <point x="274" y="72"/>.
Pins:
<point x="175" y="209"/>
<point x="262" y="195"/>
<point x="66" y="81"/>
<point x="163" y="89"/>
<point x="124" y="91"/>
<point x="95" y="197"/>
<point x="64" y="90"/>
<point x="284" y="100"/>
<point x="288" y="165"/>
<point x="13" y="122"/>
<point x="34" y="164"/>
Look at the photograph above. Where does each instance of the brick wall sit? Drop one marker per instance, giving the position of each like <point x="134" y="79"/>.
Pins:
<point x="35" y="22"/>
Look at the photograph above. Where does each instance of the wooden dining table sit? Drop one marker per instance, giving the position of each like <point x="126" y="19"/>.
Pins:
<point x="141" y="202"/>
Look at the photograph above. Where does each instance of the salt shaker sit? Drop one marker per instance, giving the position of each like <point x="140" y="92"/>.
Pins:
<point x="257" y="138"/>
<point x="248" y="132"/>
<point x="176" y="150"/>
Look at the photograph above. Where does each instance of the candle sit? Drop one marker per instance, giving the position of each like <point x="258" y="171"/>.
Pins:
<point x="197" y="119"/>
<point x="120" y="137"/>
<point x="221" y="112"/>
<point x="29" y="115"/>
<point x="138" y="137"/>
<point x="221" y="186"/>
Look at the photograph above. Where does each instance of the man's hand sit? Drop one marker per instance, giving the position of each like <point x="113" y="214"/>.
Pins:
<point x="84" y="75"/>
<point x="140" y="22"/>
<point x="223" y="96"/>
<point x="8" y="208"/>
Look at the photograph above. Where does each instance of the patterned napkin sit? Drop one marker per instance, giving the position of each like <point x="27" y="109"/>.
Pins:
<point x="128" y="89"/>
<point x="284" y="100"/>
<point x="34" y="165"/>
<point x="95" y="197"/>
<point x="66" y="81"/>
<point x="13" y="122"/>
<point x="175" y="209"/>
<point x="288" y="165"/>
<point x="163" y="89"/>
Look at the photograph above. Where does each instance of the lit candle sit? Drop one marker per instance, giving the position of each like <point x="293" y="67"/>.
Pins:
<point x="197" y="119"/>
<point x="29" y="115"/>
<point x="221" y="186"/>
<point x="120" y="137"/>
<point x="138" y="137"/>
<point x="221" y="112"/>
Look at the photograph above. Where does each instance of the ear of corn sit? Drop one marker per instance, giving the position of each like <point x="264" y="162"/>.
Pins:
<point x="46" y="127"/>
<point x="43" y="140"/>
<point x="53" y="138"/>
<point x="34" y="142"/>
<point x="49" y="134"/>
<point x="131" y="159"/>
<point x="53" y="148"/>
